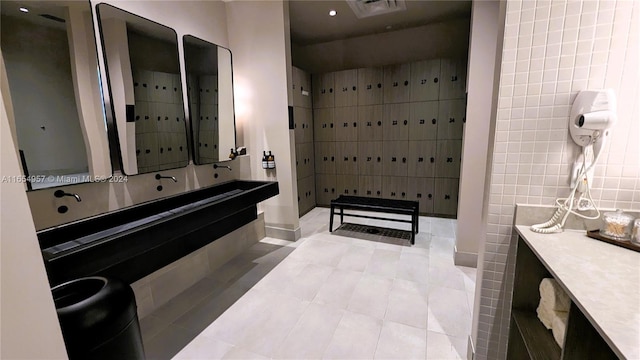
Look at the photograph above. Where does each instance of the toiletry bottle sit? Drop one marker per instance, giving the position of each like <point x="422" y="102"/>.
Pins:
<point x="271" y="162"/>
<point x="264" y="160"/>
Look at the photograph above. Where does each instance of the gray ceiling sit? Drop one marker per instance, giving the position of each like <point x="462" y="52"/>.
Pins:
<point x="311" y="23"/>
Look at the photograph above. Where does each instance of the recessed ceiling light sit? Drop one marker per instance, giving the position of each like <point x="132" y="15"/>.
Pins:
<point x="332" y="13"/>
<point x="24" y="9"/>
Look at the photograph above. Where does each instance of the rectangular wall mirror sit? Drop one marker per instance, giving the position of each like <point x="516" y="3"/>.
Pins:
<point x="54" y="103"/>
<point x="210" y="94"/>
<point x="146" y="91"/>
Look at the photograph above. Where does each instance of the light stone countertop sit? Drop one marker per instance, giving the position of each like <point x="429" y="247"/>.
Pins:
<point x="603" y="280"/>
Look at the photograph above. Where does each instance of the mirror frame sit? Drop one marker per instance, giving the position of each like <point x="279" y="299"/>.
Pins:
<point x="194" y="141"/>
<point x="91" y="146"/>
<point x="117" y="155"/>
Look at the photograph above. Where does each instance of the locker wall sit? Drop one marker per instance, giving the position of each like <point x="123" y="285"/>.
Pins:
<point x="393" y="132"/>
<point x="303" y="127"/>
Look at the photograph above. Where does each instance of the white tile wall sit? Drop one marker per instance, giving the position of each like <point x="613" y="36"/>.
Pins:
<point x="552" y="49"/>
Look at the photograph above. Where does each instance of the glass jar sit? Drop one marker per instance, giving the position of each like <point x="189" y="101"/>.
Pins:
<point x="635" y="232"/>
<point x="617" y="225"/>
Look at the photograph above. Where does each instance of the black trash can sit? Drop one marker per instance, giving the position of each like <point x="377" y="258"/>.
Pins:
<point x="98" y="319"/>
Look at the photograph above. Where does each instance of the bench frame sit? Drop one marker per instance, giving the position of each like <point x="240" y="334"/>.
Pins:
<point x="401" y="207"/>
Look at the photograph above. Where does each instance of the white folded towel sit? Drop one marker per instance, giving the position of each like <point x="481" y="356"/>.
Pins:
<point x="547" y="315"/>
<point x="553" y="295"/>
<point x="559" y="328"/>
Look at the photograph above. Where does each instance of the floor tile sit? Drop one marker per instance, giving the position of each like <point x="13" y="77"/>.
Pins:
<point x="445" y="347"/>
<point x="449" y="312"/>
<point x="319" y="251"/>
<point x="356" y="258"/>
<point x="399" y="341"/>
<point x="306" y="284"/>
<point x="204" y="348"/>
<point x="356" y="337"/>
<point x="413" y="267"/>
<point x="168" y="342"/>
<point x="442" y="227"/>
<point x="242" y="354"/>
<point x="383" y="263"/>
<point x="310" y="336"/>
<point x="446" y="276"/>
<point x="408" y="303"/>
<point x="338" y="288"/>
<point x="371" y="295"/>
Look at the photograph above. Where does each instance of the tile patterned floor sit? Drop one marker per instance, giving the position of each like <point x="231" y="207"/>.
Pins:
<point x="325" y="296"/>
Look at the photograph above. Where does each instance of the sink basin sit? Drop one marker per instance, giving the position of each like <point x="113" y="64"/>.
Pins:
<point x="161" y="231"/>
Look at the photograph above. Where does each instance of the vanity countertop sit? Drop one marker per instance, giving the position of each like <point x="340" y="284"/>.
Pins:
<point x="603" y="280"/>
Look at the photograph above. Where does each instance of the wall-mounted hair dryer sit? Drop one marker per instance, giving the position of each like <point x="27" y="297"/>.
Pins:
<point x="592" y="115"/>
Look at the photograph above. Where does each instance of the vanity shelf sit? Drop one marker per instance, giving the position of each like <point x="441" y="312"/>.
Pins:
<point x="603" y="283"/>
<point x="133" y="242"/>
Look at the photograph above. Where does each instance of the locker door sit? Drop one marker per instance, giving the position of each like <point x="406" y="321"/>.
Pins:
<point x="423" y="120"/>
<point x="394" y="187"/>
<point x="307" y="125"/>
<point x="176" y="89"/>
<point x="346" y="158"/>
<point x="325" y="157"/>
<point x="451" y="115"/>
<point x="448" y="158"/>
<point x="323" y="90"/>
<point x="347" y="185"/>
<point x="305" y="92"/>
<point x="164" y="87"/>
<point x="298" y="124"/>
<point x="453" y="79"/>
<point x="325" y="189"/>
<point x="370" y="122"/>
<point x="370" y="186"/>
<point x="323" y="125"/>
<point x="346" y="89"/>
<point x="370" y="86"/>
<point x="425" y="80"/>
<point x="370" y="158"/>
<point x="142" y="80"/>
<point x="296" y="84"/>
<point x="306" y="154"/>
<point x="142" y="117"/>
<point x="163" y="154"/>
<point x="346" y="120"/>
<point x="311" y="191"/>
<point x="149" y="147"/>
<point x="299" y="156"/>
<point x="306" y="195"/>
<point x="422" y="190"/>
<point x="446" y="197"/>
<point x="396" y="83"/>
<point x="422" y="158"/>
<point x="395" y="158"/>
<point x="396" y="122"/>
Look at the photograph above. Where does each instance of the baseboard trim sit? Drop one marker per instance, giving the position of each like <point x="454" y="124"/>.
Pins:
<point x="461" y="258"/>
<point x="283" y="234"/>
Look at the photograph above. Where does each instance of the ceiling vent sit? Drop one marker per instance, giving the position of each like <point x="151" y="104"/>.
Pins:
<point x="367" y="8"/>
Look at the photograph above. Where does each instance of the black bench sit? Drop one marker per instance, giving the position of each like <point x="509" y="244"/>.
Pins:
<point x="402" y="207"/>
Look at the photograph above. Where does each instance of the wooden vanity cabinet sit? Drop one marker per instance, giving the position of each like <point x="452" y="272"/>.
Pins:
<point x="528" y="337"/>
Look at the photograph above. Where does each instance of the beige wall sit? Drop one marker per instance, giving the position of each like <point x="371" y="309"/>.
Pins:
<point x="257" y="38"/>
<point x="552" y="50"/>
<point x="448" y="39"/>
<point x="29" y="324"/>
<point x="480" y="75"/>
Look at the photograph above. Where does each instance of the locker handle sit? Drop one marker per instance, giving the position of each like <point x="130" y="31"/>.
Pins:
<point x="332" y="158"/>
<point x="404" y="160"/>
<point x="147" y="151"/>
<point x="138" y="152"/>
<point x="406" y="82"/>
<point x="379" y="123"/>
<point x="403" y="194"/>
<point x="452" y="120"/>
<point x="333" y="190"/>
<point x="355" y="191"/>
<point x="379" y="159"/>
<point x="161" y="150"/>
<point x="449" y="160"/>
<point x="354" y="88"/>
<point x="435" y="80"/>
<point x="432" y="159"/>
<point x="406" y="122"/>
<point x="430" y="196"/>
<point x="330" y="90"/>
<point x="355" y="158"/>
<point x="464" y="120"/>
<point x="378" y="192"/>
<point x="433" y="121"/>
<point x="355" y="124"/>
<point x="144" y="85"/>
<point x="331" y="125"/>
<point x="379" y="85"/>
